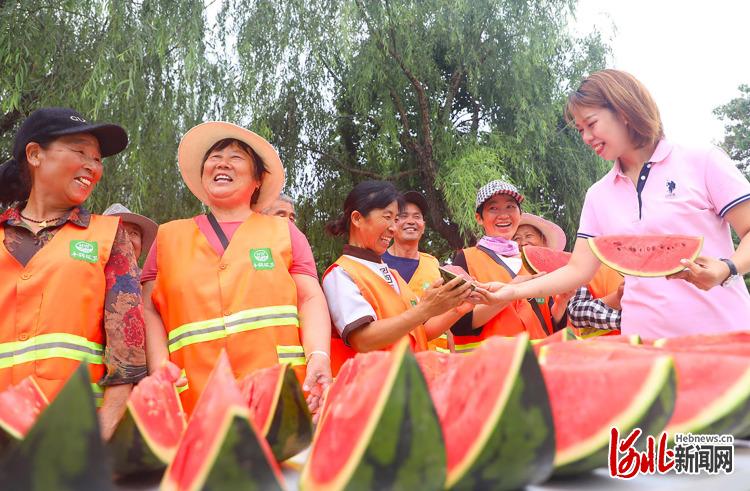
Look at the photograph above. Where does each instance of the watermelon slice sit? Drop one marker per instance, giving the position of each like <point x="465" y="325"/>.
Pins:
<point x="146" y="438"/>
<point x="278" y="409"/>
<point x="738" y="337"/>
<point x="646" y="255"/>
<point x="589" y="398"/>
<point x="543" y="259"/>
<point x="20" y="406"/>
<point x="64" y="449"/>
<point x="220" y="448"/>
<point x="713" y="388"/>
<point x="378" y="428"/>
<point x="495" y="414"/>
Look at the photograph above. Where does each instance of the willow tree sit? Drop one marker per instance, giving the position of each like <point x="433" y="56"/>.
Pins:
<point x="145" y="65"/>
<point x="437" y="95"/>
<point x="736" y="116"/>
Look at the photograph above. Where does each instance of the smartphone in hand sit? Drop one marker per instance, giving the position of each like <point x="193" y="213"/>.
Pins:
<point x="448" y="276"/>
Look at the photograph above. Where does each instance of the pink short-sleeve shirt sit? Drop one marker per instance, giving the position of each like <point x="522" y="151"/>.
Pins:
<point x="684" y="191"/>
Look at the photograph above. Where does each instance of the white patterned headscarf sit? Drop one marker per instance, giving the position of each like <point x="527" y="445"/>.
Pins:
<point x="497" y="187"/>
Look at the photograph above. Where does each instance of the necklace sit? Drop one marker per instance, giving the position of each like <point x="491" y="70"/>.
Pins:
<point x="42" y="223"/>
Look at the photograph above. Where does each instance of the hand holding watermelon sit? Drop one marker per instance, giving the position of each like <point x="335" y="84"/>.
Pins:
<point x="704" y="272"/>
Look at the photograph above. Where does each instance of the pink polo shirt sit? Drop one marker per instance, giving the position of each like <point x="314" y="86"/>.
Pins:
<point x="680" y="191"/>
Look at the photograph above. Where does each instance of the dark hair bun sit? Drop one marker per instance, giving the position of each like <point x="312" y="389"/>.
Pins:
<point x="14" y="185"/>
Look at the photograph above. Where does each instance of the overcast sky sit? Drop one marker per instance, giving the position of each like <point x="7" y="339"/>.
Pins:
<point x="691" y="55"/>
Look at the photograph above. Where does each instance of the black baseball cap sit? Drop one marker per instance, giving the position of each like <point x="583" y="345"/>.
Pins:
<point x="49" y="122"/>
<point x="416" y="198"/>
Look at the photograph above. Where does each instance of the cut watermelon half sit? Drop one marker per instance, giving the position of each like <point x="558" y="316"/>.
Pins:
<point x="543" y="259"/>
<point x="713" y="394"/>
<point x="590" y="397"/>
<point x="713" y="387"/>
<point x="220" y="449"/>
<point x="63" y="449"/>
<point x="278" y="409"/>
<point x="20" y="406"/>
<point x="146" y="438"/>
<point x="495" y="414"/>
<point x="646" y="255"/>
<point x="378" y="428"/>
<point x="696" y="340"/>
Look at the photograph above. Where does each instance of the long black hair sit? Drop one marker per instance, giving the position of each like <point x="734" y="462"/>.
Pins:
<point x="364" y="197"/>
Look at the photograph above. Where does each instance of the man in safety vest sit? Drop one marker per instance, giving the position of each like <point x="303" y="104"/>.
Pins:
<point x="418" y="269"/>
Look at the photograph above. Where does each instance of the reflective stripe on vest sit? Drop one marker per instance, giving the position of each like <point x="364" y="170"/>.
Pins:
<point x="45" y="346"/>
<point x="291" y="355"/>
<point x="98" y="394"/>
<point x="183" y="374"/>
<point x="246" y="320"/>
<point x="467" y="347"/>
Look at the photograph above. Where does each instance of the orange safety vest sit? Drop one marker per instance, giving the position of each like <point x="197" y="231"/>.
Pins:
<point x="605" y="281"/>
<point x="517" y="317"/>
<point x="244" y="301"/>
<point x="426" y="274"/>
<point x="385" y="302"/>
<point x="53" y="308"/>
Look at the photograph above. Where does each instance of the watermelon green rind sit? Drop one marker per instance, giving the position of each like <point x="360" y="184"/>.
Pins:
<point x="130" y="451"/>
<point x="601" y="255"/>
<point x="517" y="444"/>
<point x="64" y="449"/>
<point x="241" y="462"/>
<point x="401" y="445"/>
<point x="394" y="460"/>
<point x="650" y="410"/>
<point x="728" y="414"/>
<point x="290" y="430"/>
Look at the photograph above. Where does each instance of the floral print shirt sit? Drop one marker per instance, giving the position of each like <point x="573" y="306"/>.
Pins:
<point x="125" y="347"/>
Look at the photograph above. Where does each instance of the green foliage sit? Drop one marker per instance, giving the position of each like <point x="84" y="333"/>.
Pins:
<point x="144" y="65"/>
<point x="435" y="95"/>
<point x="736" y="113"/>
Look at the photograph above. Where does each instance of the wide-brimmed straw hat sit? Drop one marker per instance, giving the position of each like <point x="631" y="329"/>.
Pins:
<point x="553" y="234"/>
<point x="148" y="226"/>
<point x="497" y="187"/>
<point x="199" y="139"/>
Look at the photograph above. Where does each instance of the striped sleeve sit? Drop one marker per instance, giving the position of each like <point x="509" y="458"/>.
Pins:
<point x="727" y="186"/>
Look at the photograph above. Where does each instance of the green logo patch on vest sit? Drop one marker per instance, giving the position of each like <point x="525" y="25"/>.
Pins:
<point x="413" y="302"/>
<point x="84" y="250"/>
<point x="262" y="259"/>
<point x="541" y="300"/>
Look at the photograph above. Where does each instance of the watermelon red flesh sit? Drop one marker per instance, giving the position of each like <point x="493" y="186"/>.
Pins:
<point x="713" y="388"/>
<point x="220" y="404"/>
<point x="261" y="390"/>
<point x="20" y="406"/>
<point x="349" y="404"/>
<point x="157" y="411"/>
<point x="697" y="340"/>
<point x="543" y="259"/>
<point x="646" y="255"/>
<point x="590" y="396"/>
<point x="504" y="404"/>
<point x="278" y="409"/>
<point x="147" y="436"/>
<point x="378" y="428"/>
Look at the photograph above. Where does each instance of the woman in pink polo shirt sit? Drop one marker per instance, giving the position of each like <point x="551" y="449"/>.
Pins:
<point x="656" y="187"/>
